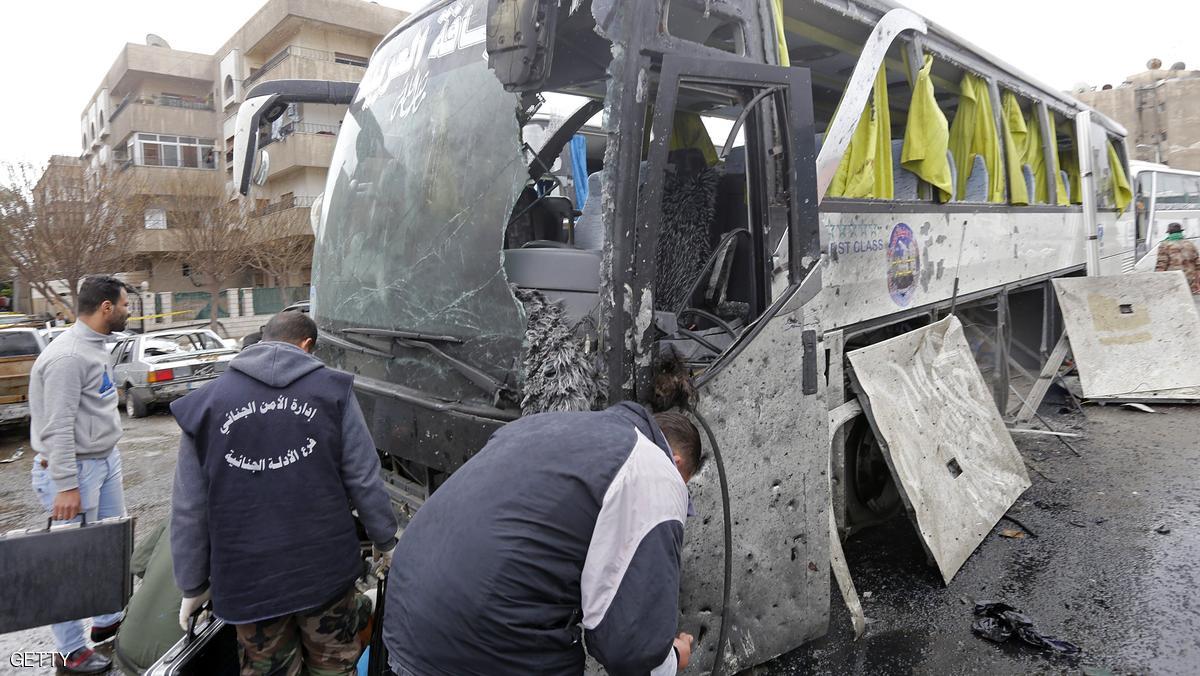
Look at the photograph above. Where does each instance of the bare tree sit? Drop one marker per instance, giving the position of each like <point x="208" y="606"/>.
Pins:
<point x="283" y="246"/>
<point x="213" y="233"/>
<point x="61" y="230"/>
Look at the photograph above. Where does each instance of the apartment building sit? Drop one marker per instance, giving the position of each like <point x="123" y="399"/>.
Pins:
<point x="58" y="193"/>
<point x="164" y="118"/>
<point x="1160" y="108"/>
<point x="58" y="197"/>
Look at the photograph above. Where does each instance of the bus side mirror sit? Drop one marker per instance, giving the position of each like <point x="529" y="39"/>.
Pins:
<point x="520" y="41"/>
<point x="250" y="163"/>
<point x="264" y="104"/>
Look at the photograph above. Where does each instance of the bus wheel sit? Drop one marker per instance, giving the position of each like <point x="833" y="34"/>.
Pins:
<point x="871" y="491"/>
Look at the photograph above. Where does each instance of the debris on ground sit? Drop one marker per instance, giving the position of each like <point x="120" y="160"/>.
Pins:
<point x="1024" y="430"/>
<point x="1012" y="533"/>
<point x="1027" y="529"/>
<point x="1162" y="530"/>
<point x="1134" y="406"/>
<point x="997" y="622"/>
<point x="14" y="457"/>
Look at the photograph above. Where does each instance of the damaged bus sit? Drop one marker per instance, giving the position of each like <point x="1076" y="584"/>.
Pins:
<point x="536" y="205"/>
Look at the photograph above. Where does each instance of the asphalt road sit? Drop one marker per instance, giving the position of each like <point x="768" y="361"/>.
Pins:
<point x="1097" y="574"/>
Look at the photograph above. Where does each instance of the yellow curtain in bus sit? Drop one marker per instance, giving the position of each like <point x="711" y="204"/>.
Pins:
<point x="688" y="131"/>
<point x="972" y="133"/>
<point x="785" y="59"/>
<point x="1035" y="157"/>
<point x="1122" y="191"/>
<point x="866" y="168"/>
<point x="1070" y="164"/>
<point x="1016" y="140"/>
<point x="1060" y="188"/>
<point x="927" y="136"/>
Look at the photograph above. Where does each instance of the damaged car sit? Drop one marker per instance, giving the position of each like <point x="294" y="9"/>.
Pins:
<point x="159" y="367"/>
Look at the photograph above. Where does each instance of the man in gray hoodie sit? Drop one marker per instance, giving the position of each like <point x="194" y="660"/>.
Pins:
<point x="274" y="454"/>
<point x="74" y="427"/>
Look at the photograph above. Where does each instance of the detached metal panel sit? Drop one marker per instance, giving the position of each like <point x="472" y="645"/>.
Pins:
<point x="1133" y="336"/>
<point x="953" y="460"/>
<point x="771" y="558"/>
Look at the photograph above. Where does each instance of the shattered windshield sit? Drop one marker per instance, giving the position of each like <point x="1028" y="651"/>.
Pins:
<point x="423" y="179"/>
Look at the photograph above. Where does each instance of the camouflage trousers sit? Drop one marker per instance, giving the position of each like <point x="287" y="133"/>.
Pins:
<point x="324" y="641"/>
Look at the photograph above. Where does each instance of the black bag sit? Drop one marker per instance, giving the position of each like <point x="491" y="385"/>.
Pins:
<point x="68" y="572"/>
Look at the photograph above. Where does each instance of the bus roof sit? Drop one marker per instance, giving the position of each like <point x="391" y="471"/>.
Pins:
<point x="1136" y="167"/>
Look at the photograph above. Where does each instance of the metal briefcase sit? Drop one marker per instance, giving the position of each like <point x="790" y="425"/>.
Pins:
<point x="68" y="572"/>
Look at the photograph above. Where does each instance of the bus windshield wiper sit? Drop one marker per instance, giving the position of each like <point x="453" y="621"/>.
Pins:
<point x="423" y="341"/>
<point x="406" y="335"/>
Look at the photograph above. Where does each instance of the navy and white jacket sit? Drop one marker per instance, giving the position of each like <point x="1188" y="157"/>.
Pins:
<point x="274" y="454"/>
<point x="565" y="527"/>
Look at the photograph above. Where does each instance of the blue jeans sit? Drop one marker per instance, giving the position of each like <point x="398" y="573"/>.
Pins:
<point x="101" y="495"/>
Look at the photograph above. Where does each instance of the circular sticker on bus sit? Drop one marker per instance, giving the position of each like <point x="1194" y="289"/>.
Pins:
<point x="904" y="264"/>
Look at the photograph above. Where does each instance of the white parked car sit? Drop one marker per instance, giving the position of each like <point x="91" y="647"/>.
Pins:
<point x="161" y="366"/>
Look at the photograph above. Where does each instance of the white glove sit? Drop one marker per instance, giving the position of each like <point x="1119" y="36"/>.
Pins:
<point x="383" y="559"/>
<point x="189" y="606"/>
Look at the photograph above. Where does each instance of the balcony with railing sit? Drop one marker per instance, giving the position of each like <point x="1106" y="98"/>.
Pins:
<point x="290" y="202"/>
<point x="188" y="103"/>
<point x="298" y="127"/>
<point x="306" y="63"/>
<point x="299" y="144"/>
<point x="164" y="115"/>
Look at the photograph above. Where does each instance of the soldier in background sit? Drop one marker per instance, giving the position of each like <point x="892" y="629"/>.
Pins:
<point x="1177" y="253"/>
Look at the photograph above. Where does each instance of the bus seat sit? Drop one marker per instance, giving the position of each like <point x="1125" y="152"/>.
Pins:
<point x="1066" y="179"/>
<point x="977" y="181"/>
<point x="1030" y="183"/>
<point x="953" y="172"/>
<point x="571" y="276"/>
<point x="589" y="228"/>
<point x="904" y="180"/>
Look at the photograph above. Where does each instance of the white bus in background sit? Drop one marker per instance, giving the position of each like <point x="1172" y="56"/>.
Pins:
<point x="1164" y="196"/>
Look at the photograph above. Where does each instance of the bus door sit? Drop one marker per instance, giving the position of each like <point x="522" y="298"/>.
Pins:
<point x="737" y="139"/>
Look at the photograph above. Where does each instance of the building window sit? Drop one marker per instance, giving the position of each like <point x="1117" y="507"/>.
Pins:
<point x="156" y="219"/>
<point x="102" y="119"/>
<point x="185" y="270"/>
<point x="160" y="150"/>
<point x="229" y="86"/>
<point x="350" y="59"/>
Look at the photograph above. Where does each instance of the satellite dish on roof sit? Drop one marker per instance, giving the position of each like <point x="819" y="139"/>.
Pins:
<point x="1179" y="65"/>
<point x="1154" y="64"/>
<point x="155" y="41"/>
